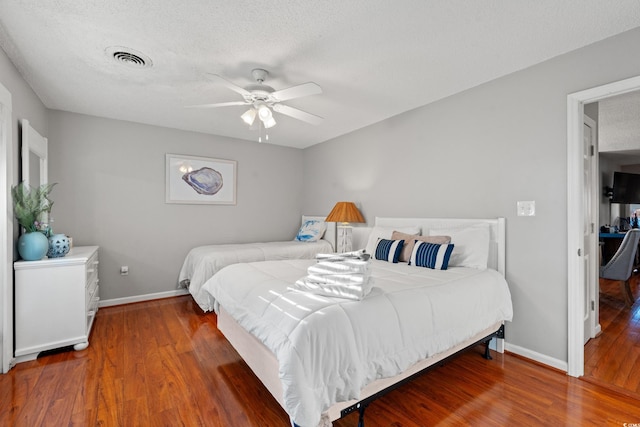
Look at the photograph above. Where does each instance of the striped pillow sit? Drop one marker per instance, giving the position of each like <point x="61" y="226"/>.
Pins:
<point x="388" y="250"/>
<point x="431" y="255"/>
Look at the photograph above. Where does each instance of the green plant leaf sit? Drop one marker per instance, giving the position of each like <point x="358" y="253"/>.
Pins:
<point x="29" y="203"/>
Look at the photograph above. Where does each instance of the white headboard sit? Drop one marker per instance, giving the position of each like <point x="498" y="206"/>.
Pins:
<point x="330" y="234"/>
<point x="497" y="229"/>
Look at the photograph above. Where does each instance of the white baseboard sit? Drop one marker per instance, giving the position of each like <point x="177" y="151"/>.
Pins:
<point x="140" y="298"/>
<point x="538" y="357"/>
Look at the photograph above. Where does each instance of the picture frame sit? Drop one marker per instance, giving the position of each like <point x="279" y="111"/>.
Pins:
<point x="200" y="180"/>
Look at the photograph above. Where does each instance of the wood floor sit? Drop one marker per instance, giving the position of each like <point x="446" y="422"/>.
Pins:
<point x="613" y="358"/>
<point x="163" y="363"/>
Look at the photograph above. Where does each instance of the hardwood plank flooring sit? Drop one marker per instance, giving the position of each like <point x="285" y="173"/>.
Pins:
<point x="164" y="363"/>
<point x="612" y="359"/>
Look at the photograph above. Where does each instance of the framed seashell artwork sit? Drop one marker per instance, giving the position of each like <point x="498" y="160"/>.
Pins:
<point x="200" y="180"/>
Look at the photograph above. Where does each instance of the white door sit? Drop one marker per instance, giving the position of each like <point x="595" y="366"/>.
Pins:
<point x="591" y="250"/>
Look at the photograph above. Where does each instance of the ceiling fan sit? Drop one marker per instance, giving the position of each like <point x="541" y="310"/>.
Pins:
<point x="263" y="99"/>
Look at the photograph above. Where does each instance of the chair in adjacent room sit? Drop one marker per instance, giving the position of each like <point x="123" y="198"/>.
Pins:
<point x="621" y="265"/>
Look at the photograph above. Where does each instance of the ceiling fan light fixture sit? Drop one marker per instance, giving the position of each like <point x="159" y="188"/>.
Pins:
<point x="264" y="112"/>
<point x="249" y="116"/>
<point x="269" y="123"/>
<point x="263" y="100"/>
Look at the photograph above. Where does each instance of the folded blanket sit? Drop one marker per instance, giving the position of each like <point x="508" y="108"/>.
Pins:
<point x="352" y="291"/>
<point x="353" y="279"/>
<point x="348" y="278"/>
<point x="342" y="267"/>
<point x="343" y="256"/>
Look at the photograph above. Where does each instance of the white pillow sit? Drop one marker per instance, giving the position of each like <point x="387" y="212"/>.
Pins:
<point x="311" y="230"/>
<point x="471" y="245"/>
<point x="378" y="232"/>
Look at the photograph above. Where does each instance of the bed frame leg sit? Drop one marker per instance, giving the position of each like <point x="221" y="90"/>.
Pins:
<point x="361" y="417"/>
<point x="487" y="353"/>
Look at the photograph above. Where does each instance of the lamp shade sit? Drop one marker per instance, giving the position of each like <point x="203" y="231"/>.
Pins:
<point x="345" y="212"/>
<point x="264" y="112"/>
<point x="249" y="116"/>
<point x="269" y="123"/>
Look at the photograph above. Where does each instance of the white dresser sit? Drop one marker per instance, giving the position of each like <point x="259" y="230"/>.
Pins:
<point x="56" y="300"/>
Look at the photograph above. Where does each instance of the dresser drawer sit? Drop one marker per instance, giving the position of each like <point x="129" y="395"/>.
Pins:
<point x="92" y="308"/>
<point x="91" y="294"/>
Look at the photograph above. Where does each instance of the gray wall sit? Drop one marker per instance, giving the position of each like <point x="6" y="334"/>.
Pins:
<point x="26" y="105"/>
<point x="475" y="154"/>
<point x="111" y="193"/>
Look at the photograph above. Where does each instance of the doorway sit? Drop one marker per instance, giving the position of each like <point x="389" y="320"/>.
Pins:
<point x="576" y="194"/>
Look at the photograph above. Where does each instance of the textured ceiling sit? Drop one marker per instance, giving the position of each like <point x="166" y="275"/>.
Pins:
<point x="373" y="58"/>
<point x="619" y="127"/>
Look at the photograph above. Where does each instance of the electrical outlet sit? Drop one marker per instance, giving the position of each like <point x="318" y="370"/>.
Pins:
<point x="124" y="270"/>
<point x="527" y="208"/>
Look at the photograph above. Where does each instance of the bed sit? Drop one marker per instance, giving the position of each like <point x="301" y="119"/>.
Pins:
<point x="202" y="262"/>
<point x="322" y="357"/>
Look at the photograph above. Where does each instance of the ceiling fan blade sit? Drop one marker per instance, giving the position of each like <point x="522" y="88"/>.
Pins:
<point x="298" y="91"/>
<point x="230" y="85"/>
<point x="221" y="104"/>
<point x="298" y="114"/>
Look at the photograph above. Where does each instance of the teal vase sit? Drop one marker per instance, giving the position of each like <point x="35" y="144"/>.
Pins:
<point x="33" y="246"/>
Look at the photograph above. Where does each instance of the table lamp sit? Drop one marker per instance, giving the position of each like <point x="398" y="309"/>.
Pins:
<point x="344" y="213"/>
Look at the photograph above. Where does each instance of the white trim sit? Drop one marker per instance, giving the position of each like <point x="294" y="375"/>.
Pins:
<point x="537" y="357"/>
<point x="141" y="298"/>
<point x="575" y="242"/>
<point x="575" y="217"/>
<point x="6" y="232"/>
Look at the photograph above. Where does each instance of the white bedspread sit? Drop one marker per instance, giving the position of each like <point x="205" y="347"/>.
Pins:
<point x="329" y="348"/>
<point x="203" y="262"/>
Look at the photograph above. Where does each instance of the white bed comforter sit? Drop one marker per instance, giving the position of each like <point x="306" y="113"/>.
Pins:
<point x="329" y="348"/>
<point x="203" y="262"/>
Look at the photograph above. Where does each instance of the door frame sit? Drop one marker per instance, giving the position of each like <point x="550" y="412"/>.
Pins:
<point x="6" y="231"/>
<point x="575" y="216"/>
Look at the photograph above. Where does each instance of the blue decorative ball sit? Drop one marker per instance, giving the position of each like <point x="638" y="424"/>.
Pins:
<point x="58" y="246"/>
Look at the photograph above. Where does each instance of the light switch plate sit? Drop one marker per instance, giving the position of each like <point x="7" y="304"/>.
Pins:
<point x="527" y="208"/>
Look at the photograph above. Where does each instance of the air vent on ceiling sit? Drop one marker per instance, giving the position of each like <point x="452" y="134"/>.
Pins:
<point x="129" y="56"/>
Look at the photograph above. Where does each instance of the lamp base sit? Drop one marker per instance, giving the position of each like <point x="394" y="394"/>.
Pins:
<point x="344" y="242"/>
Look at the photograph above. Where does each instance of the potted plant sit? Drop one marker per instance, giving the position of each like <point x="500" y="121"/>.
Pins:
<point x="31" y="207"/>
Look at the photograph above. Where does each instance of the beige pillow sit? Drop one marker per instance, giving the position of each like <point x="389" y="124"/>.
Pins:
<point x="378" y="232"/>
<point x="410" y="241"/>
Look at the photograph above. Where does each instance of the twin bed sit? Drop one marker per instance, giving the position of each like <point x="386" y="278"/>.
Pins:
<point x="202" y="262"/>
<point x="324" y="357"/>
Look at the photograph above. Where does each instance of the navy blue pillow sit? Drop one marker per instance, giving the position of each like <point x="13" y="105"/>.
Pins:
<point x="431" y="255"/>
<point x="388" y="250"/>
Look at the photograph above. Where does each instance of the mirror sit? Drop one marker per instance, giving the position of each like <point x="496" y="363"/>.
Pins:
<point x="34" y="156"/>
